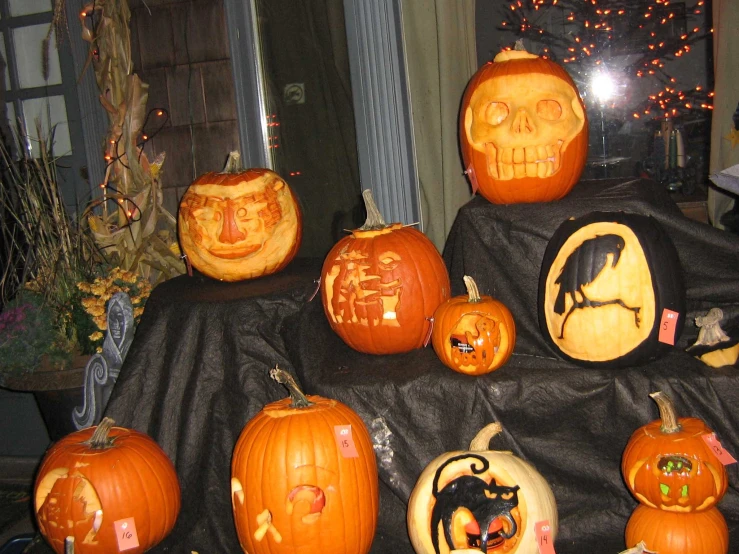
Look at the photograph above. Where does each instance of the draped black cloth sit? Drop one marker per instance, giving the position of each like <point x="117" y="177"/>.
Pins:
<point x="198" y="371"/>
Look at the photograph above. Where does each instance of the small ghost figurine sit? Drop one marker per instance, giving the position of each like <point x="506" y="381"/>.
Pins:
<point x="710" y="331"/>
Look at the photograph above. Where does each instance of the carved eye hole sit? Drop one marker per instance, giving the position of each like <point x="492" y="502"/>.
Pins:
<point x="550" y="110"/>
<point x="496" y="112"/>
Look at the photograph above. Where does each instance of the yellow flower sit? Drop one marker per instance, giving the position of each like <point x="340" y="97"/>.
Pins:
<point x="97" y="335"/>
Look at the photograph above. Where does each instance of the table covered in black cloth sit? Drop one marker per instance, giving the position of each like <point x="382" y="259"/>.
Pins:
<point x="198" y="371"/>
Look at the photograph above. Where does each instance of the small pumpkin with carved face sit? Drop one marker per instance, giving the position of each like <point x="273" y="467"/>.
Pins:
<point x="239" y="224"/>
<point x="304" y="478"/>
<point x="480" y="500"/>
<point x="523" y="130"/>
<point x="381" y="284"/>
<point x="667" y="465"/>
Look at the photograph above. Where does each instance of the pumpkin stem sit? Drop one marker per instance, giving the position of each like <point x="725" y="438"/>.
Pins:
<point x="481" y="442"/>
<point x="100" y="439"/>
<point x="233" y="163"/>
<point x="297" y="396"/>
<point x="374" y="219"/>
<point x="519" y="47"/>
<point x="472" y="291"/>
<point x="666" y="413"/>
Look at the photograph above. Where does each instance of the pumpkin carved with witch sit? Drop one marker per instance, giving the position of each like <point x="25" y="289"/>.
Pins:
<point x="239" y="224"/>
<point x="611" y="291"/>
<point x="523" y="129"/>
<point x="480" y="500"/>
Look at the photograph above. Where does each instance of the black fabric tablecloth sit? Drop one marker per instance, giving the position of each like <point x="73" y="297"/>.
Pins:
<point x="198" y="371"/>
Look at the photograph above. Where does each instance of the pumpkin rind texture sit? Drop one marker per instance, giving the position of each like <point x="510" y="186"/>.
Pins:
<point x="81" y="492"/>
<point x="296" y="490"/>
<point x="241" y="225"/>
<point x="609" y="283"/>
<point x="473" y="334"/>
<point x="460" y="493"/>
<point x="523" y="130"/>
<point x="380" y="288"/>
<point x="675" y="533"/>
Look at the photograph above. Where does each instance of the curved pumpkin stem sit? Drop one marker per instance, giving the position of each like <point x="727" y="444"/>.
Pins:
<point x="299" y="400"/>
<point x="666" y="413"/>
<point x="233" y="163"/>
<point x="473" y="292"/>
<point x="481" y="442"/>
<point x="100" y="439"/>
<point x="374" y="219"/>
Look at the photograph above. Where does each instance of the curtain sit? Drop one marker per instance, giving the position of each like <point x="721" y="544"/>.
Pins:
<point x="441" y="58"/>
<point x="726" y="70"/>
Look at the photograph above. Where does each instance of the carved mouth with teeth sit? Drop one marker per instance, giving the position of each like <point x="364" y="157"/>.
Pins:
<point x="506" y="163"/>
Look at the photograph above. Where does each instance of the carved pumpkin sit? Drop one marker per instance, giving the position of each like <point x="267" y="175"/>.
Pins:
<point x="667" y="464"/>
<point x="381" y="284"/>
<point x="523" y="130"/>
<point x="473" y="334"/>
<point x="304" y="478"/>
<point x="479" y="501"/>
<point x="103" y="485"/>
<point x="674" y="533"/>
<point x="239" y="224"/>
<point x="611" y="292"/>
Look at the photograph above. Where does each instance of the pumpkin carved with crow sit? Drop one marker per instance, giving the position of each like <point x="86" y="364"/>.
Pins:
<point x="611" y="291"/>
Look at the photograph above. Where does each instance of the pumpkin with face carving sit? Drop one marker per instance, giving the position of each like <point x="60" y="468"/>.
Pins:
<point x="523" y="130"/>
<point x="239" y="224"/>
<point x="480" y="500"/>
<point x="304" y="478"/>
<point x="96" y="482"/>
<point x="381" y="284"/>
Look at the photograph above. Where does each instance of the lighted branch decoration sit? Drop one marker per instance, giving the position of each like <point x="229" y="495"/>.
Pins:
<point x="591" y="32"/>
<point x="137" y="232"/>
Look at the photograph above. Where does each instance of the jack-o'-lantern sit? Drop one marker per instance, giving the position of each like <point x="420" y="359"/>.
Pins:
<point x="110" y="488"/>
<point x="473" y="334"/>
<point x="239" y="224"/>
<point x="668" y="465"/>
<point x="381" y="284"/>
<point x="674" y="533"/>
<point x="304" y="478"/>
<point x="611" y="292"/>
<point x="480" y="500"/>
<point x="523" y="129"/>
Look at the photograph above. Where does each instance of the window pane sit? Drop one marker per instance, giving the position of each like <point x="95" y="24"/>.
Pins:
<point x="44" y="110"/>
<point x="28" y="46"/>
<point x="25" y="7"/>
<point x="5" y="61"/>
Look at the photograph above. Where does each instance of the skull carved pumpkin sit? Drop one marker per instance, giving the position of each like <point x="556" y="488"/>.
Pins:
<point x="667" y="465"/>
<point x="304" y="478"/>
<point x="479" y="501"/>
<point x="93" y="478"/>
<point x="381" y="285"/>
<point x="239" y="224"/>
<point x="523" y="130"/>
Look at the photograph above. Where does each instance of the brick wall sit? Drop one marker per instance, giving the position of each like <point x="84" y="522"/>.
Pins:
<point x="180" y="49"/>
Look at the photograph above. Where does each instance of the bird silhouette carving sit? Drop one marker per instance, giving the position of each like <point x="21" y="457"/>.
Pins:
<point x="582" y="267"/>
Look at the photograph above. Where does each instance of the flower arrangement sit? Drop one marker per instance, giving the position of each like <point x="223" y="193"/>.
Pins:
<point x="102" y="289"/>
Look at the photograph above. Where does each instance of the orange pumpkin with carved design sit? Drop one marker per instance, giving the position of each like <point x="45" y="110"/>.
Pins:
<point x="240" y="223"/>
<point x="473" y="334"/>
<point x="667" y="464"/>
<point x="381" y="284"/>
<point x="304" y="478"/>
<point x="523" y="129"/>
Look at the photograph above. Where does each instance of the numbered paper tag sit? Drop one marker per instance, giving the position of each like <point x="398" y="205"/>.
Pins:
<point x="125" y="531"/>
<point x="667" y="327"/>
<point x="544" y="540"/>
<point x="715" y="445"/>
<point x="345" y="441"/>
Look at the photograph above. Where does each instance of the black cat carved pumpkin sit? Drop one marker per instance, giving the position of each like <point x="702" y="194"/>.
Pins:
<point x="480" y="500"/>
<point x="611" y="290"/>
